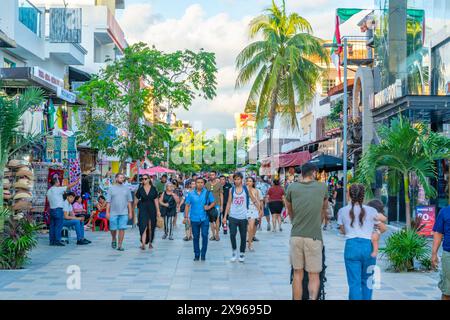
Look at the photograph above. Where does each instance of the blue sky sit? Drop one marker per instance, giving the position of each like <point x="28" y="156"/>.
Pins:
<point x="219" y="26"/>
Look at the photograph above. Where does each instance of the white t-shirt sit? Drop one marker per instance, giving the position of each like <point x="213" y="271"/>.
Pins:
<point x="67" y="207"/>
<point x="259" y="197"/>
<point x="238" y="209"/>
<point x="365" y="231"/>
<point x="55" y="197"/>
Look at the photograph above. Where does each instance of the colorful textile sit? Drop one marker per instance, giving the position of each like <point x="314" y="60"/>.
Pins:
<point x="75" y="173"/>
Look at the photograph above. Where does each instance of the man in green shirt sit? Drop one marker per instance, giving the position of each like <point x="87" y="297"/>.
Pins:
<point x="306" y="203"/>
<point x="216" y="188"/>
<point x="160" y="185"/>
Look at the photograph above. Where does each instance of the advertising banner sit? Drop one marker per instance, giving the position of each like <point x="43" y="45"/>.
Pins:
<point x="428" y="215"/>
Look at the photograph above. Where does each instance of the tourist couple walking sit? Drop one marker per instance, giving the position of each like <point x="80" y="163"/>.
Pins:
<point x="241" y="207"/>
<point x="307" y="204"/>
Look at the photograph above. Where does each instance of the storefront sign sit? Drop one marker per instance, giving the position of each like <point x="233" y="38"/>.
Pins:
<point x="388" y="95"/>
<point x="66" y="95"/>
<point x="47" y="77"/>
<point x="428" y="216"/>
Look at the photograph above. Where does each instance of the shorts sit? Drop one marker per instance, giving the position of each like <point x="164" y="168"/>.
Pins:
<point x="444" y="282"/>
<point x="266" y="211"/>
<point x="306" y="253"/>
<point x="276" y="207"/>
<point x="252" y="214"/>
<point x="102" y="215"/>
<point x="118" y="222"/>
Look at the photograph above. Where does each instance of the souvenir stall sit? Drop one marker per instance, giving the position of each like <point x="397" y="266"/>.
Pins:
<point x="18" y="186"/>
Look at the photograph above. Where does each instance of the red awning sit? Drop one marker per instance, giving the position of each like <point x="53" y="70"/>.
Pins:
<point x="287" y="160"/>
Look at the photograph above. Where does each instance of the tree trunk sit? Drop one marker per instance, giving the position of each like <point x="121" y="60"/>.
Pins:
<point x="272" y="114"/>
<point x="407" y="201"/>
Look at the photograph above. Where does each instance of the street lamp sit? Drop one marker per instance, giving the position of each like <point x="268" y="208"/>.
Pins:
<point x="343" y="45"/>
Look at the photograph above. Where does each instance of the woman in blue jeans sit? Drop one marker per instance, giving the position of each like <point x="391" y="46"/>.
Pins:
<point x="357" y="222"/>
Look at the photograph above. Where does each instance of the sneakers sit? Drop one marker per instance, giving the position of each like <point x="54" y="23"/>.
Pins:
<point x="83" y="242"/>
<point x="241" y="257"/>
<point x="114" y="244"/>
<point x="268" y="227"/>
<point x="281" y="229"/>
<point x="234" y="257"/>
<point x="170" y="238"/>
<point x="196" y="258"/>
<point x="203" y="258"/>
<point x="120" y="249"/>
<point x="58" y="244"/>
<point x="255" y="239"/>
<point x="164" y="236"/>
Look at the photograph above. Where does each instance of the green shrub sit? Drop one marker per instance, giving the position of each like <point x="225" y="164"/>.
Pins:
<point x="18" y="238"/>
<point x="405" y="246"/>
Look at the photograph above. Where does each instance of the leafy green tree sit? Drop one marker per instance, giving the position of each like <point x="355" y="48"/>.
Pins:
<point x="12" y="139"/>
<point x="120" y="94"/>
<point x="405" y="149"/>
<point x="281" y="64"/>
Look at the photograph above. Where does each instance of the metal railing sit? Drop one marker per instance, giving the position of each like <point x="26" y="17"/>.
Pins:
<point x="358" y="52"/>
<point x="30" y="16"/>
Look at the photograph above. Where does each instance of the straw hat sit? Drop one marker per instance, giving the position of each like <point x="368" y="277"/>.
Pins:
<point x="22" y="195"/>
<point x="23" y="184"/>
<point x="21" y="205"/>
<point x="25" y="172"/>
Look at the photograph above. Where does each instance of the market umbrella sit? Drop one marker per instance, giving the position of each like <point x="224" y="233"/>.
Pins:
<point x="329" y="163"/>
<point x="155" y="170"/>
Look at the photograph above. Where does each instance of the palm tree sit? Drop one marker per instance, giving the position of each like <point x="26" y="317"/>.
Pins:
<point x="285" y="76"/>
<point x="405" y="149"/>
<point x="11" y="138"/>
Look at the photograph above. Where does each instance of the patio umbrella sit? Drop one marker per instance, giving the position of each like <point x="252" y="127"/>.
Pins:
<point x="329" y="163"/>
<point x="158" y="169"/>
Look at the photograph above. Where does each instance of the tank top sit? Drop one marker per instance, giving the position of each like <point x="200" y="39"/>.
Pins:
<point x="252" y="206"/>
<point x="238" y="209"/>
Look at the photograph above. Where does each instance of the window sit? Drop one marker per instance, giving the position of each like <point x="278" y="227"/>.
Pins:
<point x="8" y="63"/>
<point x="327" y="84"/>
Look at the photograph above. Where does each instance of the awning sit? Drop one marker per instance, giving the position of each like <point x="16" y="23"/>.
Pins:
<point x="287" y="160"/>
<point x="155" y="170"/>
<point x="23" y="77"/>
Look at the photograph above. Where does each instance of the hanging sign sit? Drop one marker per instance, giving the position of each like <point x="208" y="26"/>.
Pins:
<point x="66" y="95"/>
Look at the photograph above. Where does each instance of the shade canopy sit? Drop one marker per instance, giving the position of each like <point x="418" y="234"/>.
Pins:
<point x="329" y="163"/>
<point x="287" y="160"/>
<point x="155" y="170"/>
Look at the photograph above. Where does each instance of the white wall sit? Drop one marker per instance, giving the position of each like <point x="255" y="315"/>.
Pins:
<point x="8" y="16"/>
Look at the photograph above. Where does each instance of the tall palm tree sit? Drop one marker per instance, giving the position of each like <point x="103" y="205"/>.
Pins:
<point x="281" y="64"/>
<point x="405" y="149"/>
<point x="11" y="138"/>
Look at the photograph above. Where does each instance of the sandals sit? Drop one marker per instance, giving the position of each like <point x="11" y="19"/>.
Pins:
<point x="142" y="247"/>
<point x="114" y="244"/>
<point x="212" y="238"/>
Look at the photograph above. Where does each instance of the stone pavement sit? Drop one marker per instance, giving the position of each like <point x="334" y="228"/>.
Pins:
<point x="169" y="272"/>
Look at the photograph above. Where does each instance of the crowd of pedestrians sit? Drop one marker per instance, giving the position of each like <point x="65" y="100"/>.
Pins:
<point x="236" y="205"/>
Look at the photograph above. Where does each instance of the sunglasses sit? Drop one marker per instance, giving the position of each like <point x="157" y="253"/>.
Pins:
<point x="144" y="179"/>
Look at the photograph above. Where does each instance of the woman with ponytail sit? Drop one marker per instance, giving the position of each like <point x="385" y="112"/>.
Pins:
<point x="357" y="222"/>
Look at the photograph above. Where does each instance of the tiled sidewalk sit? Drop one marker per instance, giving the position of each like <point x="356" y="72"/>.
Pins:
<point x="169" y="272"/>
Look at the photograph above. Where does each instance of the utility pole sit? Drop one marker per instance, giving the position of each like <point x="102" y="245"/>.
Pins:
<point x="344" y="201"/>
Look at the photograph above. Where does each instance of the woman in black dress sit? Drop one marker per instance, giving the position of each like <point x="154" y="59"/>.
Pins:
<point x="146" y="199"/>
<point x="169" y="202"/>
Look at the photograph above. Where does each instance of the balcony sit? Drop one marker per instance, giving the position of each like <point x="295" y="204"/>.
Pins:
<point x="30" y="16"/>
<point x="358" y="51"/>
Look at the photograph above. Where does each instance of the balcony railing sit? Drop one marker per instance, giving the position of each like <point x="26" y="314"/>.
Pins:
<point x="358" y="51"/>
<point x="30" y="16"/>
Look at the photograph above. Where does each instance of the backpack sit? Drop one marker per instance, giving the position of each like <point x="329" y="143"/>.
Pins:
<point x="247" y="195"/>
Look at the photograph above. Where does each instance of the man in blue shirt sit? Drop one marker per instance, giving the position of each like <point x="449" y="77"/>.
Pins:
<point x="442" y="232"/>
<point x="195" y="214"/>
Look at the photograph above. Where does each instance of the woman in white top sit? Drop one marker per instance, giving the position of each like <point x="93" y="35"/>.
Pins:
<point x="357" y="222"/>
<point x="254" y="210"/>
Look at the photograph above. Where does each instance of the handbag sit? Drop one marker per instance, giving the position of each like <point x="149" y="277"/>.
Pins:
<point x="212" y="213"/>
<point x="160" y="222"/>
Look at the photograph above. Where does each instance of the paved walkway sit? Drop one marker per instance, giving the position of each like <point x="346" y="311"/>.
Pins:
<point x="169" y="272"/>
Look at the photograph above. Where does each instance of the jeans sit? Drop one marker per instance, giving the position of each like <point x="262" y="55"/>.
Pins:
<point x="79" y="227"/>
<point x="198" y="226"/>
<point x="360" y="268"/>
<point x="56" y="225"/>
<point x="234" y="224"/>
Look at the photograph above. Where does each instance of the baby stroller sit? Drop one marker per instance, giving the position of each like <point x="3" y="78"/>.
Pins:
<point x="322" y="277"/>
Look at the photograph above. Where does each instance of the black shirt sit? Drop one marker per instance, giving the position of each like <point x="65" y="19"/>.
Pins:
<point x="226" y="192"/>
